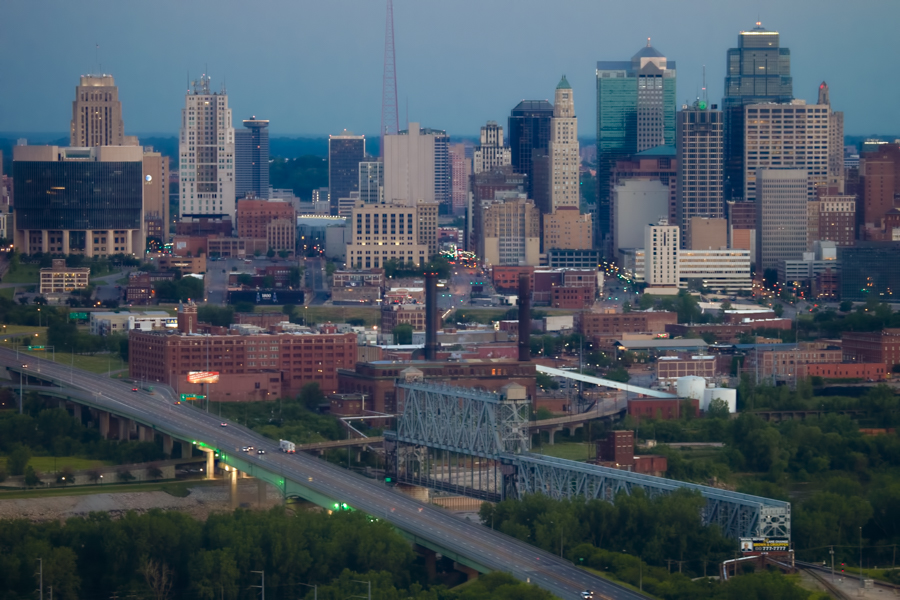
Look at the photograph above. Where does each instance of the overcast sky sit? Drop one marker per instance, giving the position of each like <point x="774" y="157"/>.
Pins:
<point x="314" y="68"/>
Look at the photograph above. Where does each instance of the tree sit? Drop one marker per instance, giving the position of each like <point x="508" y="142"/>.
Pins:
<point x="154" y="472"/>
<point x="93" y="476"/>
<point x="311" y="396"/>
<point x="403" y="334"/>
<point x="718" y="409"/>
<point x="778" y="309"/>
<point x="545" y="382"/>
<point x="159" y="577"/>
<point x="31" y="477"/>
<point x="270" y="253"/>
<point x="288" y="309"/>
<point x="220" y="316"/>
<point x="846" y="306"/>
<point x="18" y="458"/>
<point x="283" y="254"/>
<point x="244" y="307"/>
<point x="619" y="374"/>
<point x="66" y="475"/>
<point x="245" y="279"/>
<point x="124" y="475"/>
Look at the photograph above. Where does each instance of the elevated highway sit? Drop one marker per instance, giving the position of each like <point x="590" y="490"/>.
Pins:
<point x="603" y="382"/>
<point x="474" y="546"/>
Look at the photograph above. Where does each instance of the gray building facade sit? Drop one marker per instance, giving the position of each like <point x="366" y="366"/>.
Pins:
<point x="251" y="159"/>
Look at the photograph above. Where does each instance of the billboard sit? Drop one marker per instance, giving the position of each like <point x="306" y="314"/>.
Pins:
<point x="203" y="377"/>
<point x="759" y="545"/>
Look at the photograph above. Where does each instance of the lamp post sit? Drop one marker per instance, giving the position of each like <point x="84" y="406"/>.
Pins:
<point x="368" y="583"/>
<point x="315" y="590"/>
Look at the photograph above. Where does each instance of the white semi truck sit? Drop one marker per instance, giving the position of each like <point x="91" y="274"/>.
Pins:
<point x="287" y="447"/>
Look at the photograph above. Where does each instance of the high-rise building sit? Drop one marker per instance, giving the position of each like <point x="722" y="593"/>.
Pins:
<point x="637" y="201"/>
<point x="742" y="226"/>
<point x="757" y="71"/>
<point x="835" y="137"/>
<point x="206" y="154"/>
<point x="58" y="209"/>
<point x="781" y="217"/>
<point x="529" y="134"/>
<point x="417" y="166"/>
<point x="661" y="247"/>
<point x="382" y="232"/>
<point x="485" y="188"/>
<point x="460" y="171"/>
<point x="512" y="231"/>
<point x="251" y="159"/>
<point x="345" y="152"/>
<point x="699" y="150"/>
<point x="879" y="173"/>
<point x="831" y="217"/>
<point x="657" y="164"/>
<point x="491" y="152"/>
<point x="371" y="181"/>
<point x="156" y="195"/>
<point x="564" y="156"/>
<point x="567" y="229"/>
<point x="791" y="136"/>
<point x="635" y="112"/>
<point x="706" y="233"/>
<point x="97" y="113"/>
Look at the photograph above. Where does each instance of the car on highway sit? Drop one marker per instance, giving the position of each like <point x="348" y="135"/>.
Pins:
<point x="587" y="595"/>
<point x="24" y="366"/>
<point x="134" y="389"/>
<point x="260" y="451"/>
<point x="245" y="449"/>
<point x="224" y="425"/>
<point x="178" y="402"/>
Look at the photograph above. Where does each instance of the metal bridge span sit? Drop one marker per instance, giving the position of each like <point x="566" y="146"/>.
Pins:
<point x="603" y="382"/>
<point x="477" y="443"/>
<point x="474" y="546"/>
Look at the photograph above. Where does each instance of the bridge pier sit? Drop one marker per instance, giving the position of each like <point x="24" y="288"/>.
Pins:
<point x="430" y="557"/>
<point x="167" y="445"/>
<point x="469" y="572"/>
<point x="145" y="434"/>
<point x="210" y="463"/>
<point x="186" y="450"/>
<point x="232" y="485"/>
<point x="76" y="411"/>
<point x="103" y="418"/>
<point x="124" y="429"/>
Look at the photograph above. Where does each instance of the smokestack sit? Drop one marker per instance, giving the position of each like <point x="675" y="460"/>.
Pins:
<point x="524" y="317"/>
<point x="431" y="316"/>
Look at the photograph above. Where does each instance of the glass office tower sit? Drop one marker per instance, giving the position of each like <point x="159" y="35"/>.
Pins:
<point x="758" y="71"/>
<point x="529" y="135"/>
<point x="635" y="112"/>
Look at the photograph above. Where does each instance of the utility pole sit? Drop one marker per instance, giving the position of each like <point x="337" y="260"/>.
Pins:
<point x="262" y="584"/>
<point x="40" y="575"/>
<point x="860" y="559"/>
<point x="831" y="552"/>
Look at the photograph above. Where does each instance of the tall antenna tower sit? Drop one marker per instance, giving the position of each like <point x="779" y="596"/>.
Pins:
<point x="390" y="110"/>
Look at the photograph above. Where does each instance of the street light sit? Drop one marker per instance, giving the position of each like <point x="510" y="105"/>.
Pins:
<point x="315" y="590"/>
<point x="368" y="583"/>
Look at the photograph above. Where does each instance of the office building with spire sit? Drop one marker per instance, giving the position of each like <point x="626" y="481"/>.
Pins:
<point x="757" y="71"/>
<point x="206" y="154"/>
<point x="251" y="159"/>
<point x="563" y="150"/>
<point x="635" y="112"/>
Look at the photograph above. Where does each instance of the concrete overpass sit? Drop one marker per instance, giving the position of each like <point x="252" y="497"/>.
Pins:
<point x="633" y="389"/>
<point x="472" y="546"/>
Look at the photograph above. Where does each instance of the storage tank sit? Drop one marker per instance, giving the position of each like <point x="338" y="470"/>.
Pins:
<point x="727" y="394"/>
<point x="690" y="387"/>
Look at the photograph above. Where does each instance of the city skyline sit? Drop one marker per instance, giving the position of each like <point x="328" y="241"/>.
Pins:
<point x="152" y="73"/>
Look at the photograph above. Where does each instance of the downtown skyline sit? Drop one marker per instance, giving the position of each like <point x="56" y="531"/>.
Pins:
<point x="290" y="66"/>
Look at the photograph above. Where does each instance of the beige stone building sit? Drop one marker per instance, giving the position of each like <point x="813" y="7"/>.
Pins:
<point x="563" y="150"/>
<point x="706" y="234"/>
<point x="381" y="232"/>
<point x="568" y="229"/>
<point x="97" y="114"/>
<point x="512" y="231"/>
<point x="60" y="279"/>
<point x="156" y="194"/>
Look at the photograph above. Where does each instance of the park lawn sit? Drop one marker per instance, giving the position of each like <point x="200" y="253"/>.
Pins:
<point x="7" y="330"/>
<point x="23" y="274"/>
<point x="95" y="363"/>
<point x="8" y="293"/>
<point x="50" y="464"/>
<point x="340" y="314"/>
<point x="568" y="450"/>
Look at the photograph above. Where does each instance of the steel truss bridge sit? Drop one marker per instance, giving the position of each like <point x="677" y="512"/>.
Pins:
<point x="477" y="444"/>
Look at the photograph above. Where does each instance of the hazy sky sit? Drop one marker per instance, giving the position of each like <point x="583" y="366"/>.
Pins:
<point x="315" y="68"/>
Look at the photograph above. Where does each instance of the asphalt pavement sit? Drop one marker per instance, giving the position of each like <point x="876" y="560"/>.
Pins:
<point x="481" y="544"/>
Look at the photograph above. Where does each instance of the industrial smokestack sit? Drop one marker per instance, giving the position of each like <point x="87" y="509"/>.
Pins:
<point x="431" y="316"/>
<point x="524" y="317"/>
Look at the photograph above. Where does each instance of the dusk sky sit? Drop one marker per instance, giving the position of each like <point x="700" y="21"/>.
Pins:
<point x="314" y="68"/>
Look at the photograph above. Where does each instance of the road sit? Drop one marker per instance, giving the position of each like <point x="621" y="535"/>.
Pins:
<point x="480" y="544"/>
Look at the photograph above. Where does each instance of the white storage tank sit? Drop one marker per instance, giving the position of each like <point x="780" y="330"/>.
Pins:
<point x="727" y="394"/>
<point x="691" y="387"/>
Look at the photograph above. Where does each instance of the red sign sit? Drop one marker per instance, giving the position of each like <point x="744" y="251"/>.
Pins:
<point x="203" y="377"/>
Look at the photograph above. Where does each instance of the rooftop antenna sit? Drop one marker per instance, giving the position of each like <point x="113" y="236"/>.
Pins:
<point x="390" y="118"/>
<point x="705" y="97"/>
<point x="97" y="55"/>
<point x="648" y="42"/>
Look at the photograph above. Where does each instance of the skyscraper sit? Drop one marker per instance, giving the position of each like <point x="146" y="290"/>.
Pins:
<point x="460" y="170"/>
<point x="794" y="136"/>
<point x="97" y="113"/>
<point x="757" y="71"/>
<point x="781" y="217"/>
<point x="699" y="151"/>
<point x="491" y="152"/>
<point x="635" y="112"/>
<point x="563" y="149"/>
<point x="835" y="137"/>
<point x="206" y="154"/>
<point x="661" y="247"/>
<point x="345" y="152"/>
<point x="251" y="159"/>
<point x="529" y="134"/>
<point x="417" y="166"/>
<point x="371" y="181"/>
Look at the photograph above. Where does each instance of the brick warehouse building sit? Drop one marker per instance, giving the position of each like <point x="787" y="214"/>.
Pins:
<point x="258" y="366"/>
<point x="606" y="326"/>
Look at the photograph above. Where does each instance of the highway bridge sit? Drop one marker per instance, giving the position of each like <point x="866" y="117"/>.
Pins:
<point x="473" y="546"/>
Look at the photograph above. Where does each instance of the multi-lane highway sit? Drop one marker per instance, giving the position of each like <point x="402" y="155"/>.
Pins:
<point x="479" y="544"/>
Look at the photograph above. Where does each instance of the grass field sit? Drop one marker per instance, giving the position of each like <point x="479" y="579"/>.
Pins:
<point x="51" y="464"/>
<point x="23" y="274"/>
<point x="96" y="363"/>
<point x="340" y="314"/>
<point x="568" y="451"/>
<point x="8" y="293"/>
<point x="179" y="489"/>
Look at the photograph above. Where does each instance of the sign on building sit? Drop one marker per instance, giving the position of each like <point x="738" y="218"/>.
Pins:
<point x="203" y="377"/>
